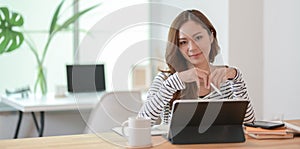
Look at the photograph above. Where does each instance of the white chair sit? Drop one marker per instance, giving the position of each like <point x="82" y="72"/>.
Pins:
<point x="112" y="110"/>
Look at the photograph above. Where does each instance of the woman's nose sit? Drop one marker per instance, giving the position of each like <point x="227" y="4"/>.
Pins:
<point x="192" y="45"/>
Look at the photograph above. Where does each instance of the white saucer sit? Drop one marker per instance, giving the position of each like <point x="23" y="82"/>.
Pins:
<point x="144" y="146"/>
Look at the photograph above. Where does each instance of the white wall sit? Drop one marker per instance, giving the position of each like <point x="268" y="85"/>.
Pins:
<point x="263" y="43"/>
<point x="124" y="48"/>
<point x="281" y="58"/>
<point x="246" y="46"/>
<point x="19" y="68"/>
<point x="117" y="36"/>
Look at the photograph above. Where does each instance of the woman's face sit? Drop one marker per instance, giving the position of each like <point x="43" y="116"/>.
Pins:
<point x="195" y="43"/>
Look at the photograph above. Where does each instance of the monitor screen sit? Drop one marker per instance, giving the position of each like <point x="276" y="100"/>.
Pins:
<point x="85" y="78"/>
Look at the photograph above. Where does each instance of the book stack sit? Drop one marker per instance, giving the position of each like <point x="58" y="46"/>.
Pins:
<point x="276" y="133"/>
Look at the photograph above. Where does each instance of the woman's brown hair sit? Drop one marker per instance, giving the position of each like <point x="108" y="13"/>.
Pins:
<point x="175" y="60"/>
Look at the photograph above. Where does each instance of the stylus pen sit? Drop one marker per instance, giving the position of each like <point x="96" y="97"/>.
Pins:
<point x="215" y="88"/>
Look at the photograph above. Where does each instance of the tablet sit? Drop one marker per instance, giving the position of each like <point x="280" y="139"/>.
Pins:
<point x="207" y="121"/>
<point x="265" y="124"/>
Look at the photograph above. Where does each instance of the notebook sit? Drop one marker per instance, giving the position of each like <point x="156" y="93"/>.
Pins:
<point x="207" y="121"/>
<point x="293" y="126"/>
<point x="261" y="133"/>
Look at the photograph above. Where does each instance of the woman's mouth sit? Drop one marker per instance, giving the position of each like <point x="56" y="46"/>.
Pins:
<point x="195" y="55"/>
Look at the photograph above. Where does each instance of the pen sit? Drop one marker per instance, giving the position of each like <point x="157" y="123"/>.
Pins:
<point x="215" y="88"/>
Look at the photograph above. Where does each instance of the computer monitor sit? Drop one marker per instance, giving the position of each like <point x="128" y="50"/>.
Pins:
<point x="85" y="78"/>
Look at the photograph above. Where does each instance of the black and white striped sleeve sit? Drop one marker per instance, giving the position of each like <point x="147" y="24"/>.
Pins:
<point x="240" y="90"/>
<point x="159" y="94"/>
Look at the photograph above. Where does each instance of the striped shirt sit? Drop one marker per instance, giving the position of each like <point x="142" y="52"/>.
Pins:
<point x="162" y="89"/>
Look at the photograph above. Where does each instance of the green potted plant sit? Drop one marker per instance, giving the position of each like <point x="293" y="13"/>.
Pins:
<point x="12" y="37"/>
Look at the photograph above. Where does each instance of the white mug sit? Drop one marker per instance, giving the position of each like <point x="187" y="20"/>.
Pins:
<point x="139" y="131"/>
<point x="60" y="90"/>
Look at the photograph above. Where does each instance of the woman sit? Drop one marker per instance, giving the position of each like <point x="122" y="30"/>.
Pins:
<point x="191" y="50"/>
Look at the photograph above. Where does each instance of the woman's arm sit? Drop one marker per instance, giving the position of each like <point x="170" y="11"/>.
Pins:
<point x="239" y="89"/>
<point x="160" y="93"/>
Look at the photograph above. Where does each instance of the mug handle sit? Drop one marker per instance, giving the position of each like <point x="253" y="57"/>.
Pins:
<point x="123" y="128"/>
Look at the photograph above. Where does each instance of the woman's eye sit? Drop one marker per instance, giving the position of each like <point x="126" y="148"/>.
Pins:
<point x="182" y="43"/>
<point x="198" y="37"/>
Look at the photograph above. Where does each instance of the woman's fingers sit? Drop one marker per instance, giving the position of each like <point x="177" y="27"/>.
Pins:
<point x="195" y="74"/>
<point x="204" y="76"/>
<point x="218" y="76"/>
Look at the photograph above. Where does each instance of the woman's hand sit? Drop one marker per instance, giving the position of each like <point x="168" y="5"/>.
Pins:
<point x="221" y="74"/>
<point x="195" y="74"/>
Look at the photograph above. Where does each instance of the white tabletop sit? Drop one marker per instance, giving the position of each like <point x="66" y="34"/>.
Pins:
<point x="35" y="103"/>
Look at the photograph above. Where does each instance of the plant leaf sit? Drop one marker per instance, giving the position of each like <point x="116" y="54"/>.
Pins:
<point x="55" y="17"/>
<point x="10" y="39"/>
<point x="16" y="20"/>
<point x="16" y="38"/>
<point x="3" y="43"/>
<point x="4" y="12"/>
<point x="75" y="17"/>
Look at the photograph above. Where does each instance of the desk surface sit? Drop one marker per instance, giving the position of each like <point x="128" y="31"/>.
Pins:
<point x="91" y="141"/>
<point x="51" y="103"/>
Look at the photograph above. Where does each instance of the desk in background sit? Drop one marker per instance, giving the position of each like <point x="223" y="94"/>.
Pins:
<point x="42" y="104"/>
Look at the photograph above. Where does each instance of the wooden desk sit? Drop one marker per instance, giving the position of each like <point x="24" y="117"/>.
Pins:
<point x="91" y="141"/>
<point x="35" y="103"/>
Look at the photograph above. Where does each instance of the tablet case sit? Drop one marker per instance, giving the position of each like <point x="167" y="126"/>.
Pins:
<point x="209" y="121"/>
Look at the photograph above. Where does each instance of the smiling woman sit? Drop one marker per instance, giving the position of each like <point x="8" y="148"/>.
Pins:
<point x="193" y="36"/>
<point x="190" y="53"/>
